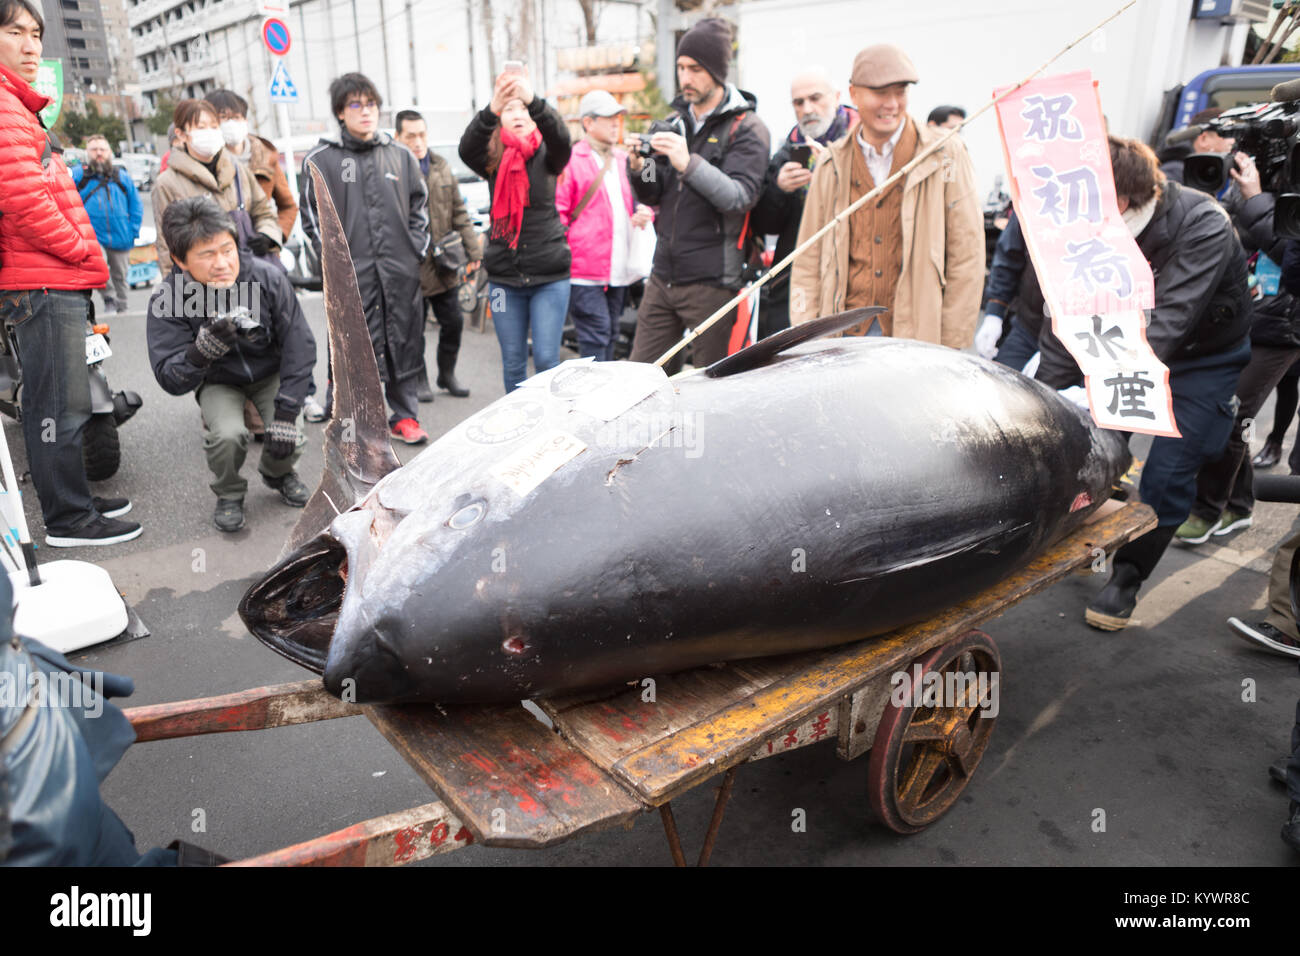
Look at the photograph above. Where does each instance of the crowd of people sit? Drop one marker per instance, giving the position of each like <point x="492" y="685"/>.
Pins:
<point x="567" y="238"/>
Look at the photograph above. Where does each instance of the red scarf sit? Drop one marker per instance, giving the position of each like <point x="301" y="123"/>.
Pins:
<point x="510" y="196"/>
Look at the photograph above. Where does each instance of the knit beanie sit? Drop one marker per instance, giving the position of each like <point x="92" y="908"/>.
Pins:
<point x="708" y="43"/>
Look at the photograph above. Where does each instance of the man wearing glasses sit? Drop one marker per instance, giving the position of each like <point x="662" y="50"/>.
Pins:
<point x="382" y="203"/>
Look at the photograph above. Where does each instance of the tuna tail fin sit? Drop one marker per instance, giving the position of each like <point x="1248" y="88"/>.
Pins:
<point x="357" y="449"/>
<point x="762" y="352"/>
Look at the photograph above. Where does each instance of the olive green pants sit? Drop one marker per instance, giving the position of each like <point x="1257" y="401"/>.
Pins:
<point x="1279" y="589"/>
<point x="226" y="440"/>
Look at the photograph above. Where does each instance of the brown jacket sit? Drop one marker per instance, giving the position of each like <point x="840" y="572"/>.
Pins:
<point x="446" y="212"/>
<point x="185" y="176"/>
<point x="264" y="161"/>
<point x="938" y="293"/>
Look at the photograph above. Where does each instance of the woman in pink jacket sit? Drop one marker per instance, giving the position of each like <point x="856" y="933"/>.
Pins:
<point x="594" y="200"/>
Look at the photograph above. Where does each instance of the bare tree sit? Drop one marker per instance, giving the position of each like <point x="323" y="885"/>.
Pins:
<point x="488" y="31"/>
<point x="589" y="18"/>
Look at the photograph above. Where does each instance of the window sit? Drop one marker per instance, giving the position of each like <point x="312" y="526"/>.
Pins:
<point x="76" y="43"/>
<point x="71" y="5"/>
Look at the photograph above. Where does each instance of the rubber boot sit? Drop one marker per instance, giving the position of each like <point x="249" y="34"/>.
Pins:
<point x="1133" y="564"/>
<point x="423" y="392"/>
<point x="447" y="376"/>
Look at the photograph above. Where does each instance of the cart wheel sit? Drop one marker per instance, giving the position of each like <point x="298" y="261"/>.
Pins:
<point x="923" y="756"/>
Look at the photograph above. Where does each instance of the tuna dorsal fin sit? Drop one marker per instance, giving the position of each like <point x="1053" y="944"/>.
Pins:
<point x="357" y="449"/>
<point x="760" y="353"/>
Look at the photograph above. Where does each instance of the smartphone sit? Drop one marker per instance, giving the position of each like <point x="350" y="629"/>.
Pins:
<point x="513" y="66"/>
<point x="801" y="154"/>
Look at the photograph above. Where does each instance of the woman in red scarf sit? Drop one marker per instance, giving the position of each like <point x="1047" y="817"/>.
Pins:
<point x="520" y="145"/>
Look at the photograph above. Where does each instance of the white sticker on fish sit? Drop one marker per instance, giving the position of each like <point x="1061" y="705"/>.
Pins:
<point x="536" y="461"/>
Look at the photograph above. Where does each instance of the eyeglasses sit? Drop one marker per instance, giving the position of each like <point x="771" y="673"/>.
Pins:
<point x="356" y="106"/>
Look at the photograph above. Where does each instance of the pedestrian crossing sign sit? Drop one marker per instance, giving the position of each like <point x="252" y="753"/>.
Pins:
<point x="282" y="88"/>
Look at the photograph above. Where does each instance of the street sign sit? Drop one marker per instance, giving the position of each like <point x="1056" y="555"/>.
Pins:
<point x="276" y="35"/>
<point x="49" y="82"/>
<point x="273" y="8"/>
<point x="282" y="88"/>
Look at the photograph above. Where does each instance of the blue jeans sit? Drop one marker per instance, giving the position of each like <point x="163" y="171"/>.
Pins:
<point x="50" y="329"/>
<point x="515" y="311"/>
<point x="1017" y="348"/>
<point x="596" y="311"/>
<point x="1204" y="410"/>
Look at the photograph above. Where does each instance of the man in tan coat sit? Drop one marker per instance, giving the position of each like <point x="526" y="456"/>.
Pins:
<point x="917" y="249"/>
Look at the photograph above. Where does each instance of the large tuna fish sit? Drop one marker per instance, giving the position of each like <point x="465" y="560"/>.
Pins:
<point x="604" y="523"/>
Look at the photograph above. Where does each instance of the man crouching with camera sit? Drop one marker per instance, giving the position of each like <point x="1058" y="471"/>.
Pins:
<point x="229" y="329"/>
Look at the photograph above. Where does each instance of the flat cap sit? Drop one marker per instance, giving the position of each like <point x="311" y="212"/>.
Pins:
<point x="882" y="65"/>
<point x="600" y="103"/>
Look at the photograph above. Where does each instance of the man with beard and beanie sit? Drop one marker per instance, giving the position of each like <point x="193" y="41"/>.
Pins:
<point x="115" y="211"/>
<point x="441" y="287"/>
<point x="820" y="121"/>
<point x="382" y="204"/>
<point x="918" y="250"/>
<point x="704" y="184"/>
<point x="49" y="262"/>
<point x="1199" y="328"/>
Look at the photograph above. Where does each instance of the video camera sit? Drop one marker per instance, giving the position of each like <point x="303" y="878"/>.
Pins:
<point x="673" y="124"/>
<point x="1270" y="134"/>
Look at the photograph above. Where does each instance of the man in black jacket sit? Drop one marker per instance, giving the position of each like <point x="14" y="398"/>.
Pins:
<point x="229" y="328"/>
<point x="1198" y="328"/>
<point x="704" y="184"/>
<point x="382" y="203"/>
<point x="821" y="120"/>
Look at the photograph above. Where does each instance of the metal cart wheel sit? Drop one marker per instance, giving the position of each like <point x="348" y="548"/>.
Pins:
<point x="926" y="751"/>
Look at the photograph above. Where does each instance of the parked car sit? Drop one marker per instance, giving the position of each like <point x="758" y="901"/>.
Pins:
<point x="473" y="188"/>
<point x="143" y="168"/>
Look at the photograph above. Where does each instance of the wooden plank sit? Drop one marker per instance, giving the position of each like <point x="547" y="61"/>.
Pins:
<point x="823" y="725"/>
<point x="510" y="780"/>
<point x="607" y="730"/>
<point x="860" y="716"/>
<point x="672" y="765"/>
<point x="278" y="705"/>
<point x="393" y="840"/>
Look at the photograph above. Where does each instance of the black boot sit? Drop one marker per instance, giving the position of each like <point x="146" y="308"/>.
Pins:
<point x="422" y="390"/>
<point x="447" y="377"/>
<point x="1111" y="609"/>
<point x="1269" y="455"/>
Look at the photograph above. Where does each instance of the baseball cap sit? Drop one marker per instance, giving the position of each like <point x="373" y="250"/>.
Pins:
<point x="600" y="103"/>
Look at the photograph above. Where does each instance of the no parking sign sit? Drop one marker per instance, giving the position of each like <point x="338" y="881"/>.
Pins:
<point x="275" y="33"/>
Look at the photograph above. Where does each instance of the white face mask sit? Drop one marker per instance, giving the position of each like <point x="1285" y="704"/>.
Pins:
<point x="234" y="131"/>
<point x="206" y="142"/>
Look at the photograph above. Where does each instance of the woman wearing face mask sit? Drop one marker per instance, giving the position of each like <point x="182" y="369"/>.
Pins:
<point x="201" y="166"/>
<point x="521" y="145"/>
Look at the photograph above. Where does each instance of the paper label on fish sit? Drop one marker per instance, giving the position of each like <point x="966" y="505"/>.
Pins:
<point x="536" y="461"/>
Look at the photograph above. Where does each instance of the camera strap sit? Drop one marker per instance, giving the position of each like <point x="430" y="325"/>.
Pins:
<point x="590" y="194"/>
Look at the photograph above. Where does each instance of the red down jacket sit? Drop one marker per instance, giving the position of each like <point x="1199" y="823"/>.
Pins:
<point x="46" y="240"/>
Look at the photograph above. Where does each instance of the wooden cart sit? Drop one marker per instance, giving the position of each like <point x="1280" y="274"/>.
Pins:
<point x="506" y="778"/>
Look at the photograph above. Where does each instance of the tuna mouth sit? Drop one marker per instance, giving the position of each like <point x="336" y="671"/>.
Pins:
<point x="294" y="609"/>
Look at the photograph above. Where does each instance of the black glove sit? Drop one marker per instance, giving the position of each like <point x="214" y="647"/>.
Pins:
<point x="282" y="434"/>
<point x="215" y="339"/>
<point x="259" y="245"/>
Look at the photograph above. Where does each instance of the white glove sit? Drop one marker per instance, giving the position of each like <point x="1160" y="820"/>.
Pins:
<point x="987" y="335"/>
<point x="1076" y="394"/>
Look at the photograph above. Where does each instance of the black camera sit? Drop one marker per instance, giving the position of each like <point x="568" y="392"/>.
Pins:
<point x="246" y="325"/>
<point x="673" y="124"/>
<point x="1270" y="134"/>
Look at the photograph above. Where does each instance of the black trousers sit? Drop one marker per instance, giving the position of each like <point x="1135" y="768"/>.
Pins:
<point x="451" y="323"/>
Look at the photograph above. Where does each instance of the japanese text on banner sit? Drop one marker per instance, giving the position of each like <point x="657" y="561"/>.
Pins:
<point x="1094" y="277"/>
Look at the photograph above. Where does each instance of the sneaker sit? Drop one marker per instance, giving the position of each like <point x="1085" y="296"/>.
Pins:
<point x="1232" y="522"/>
<point x="229" y="515"/>
<point x="1269" y="455"/>
<point x="292" y="490"/>
<point x="103" y="530"/>
<point x="1114" y="604"/>
<point x="111" y="507"/>
<point x="1291" y="829"/>
<point x="1196" y="530"/>
<point x="1265" y="635"/>
<point x="409" y="431"/>
<point x="312" y="411"/>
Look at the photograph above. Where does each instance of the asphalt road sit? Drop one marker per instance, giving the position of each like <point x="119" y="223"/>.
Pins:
<point x="1148" y="725"/>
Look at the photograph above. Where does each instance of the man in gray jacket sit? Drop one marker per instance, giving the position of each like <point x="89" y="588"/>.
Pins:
<point x="382" y="203"/>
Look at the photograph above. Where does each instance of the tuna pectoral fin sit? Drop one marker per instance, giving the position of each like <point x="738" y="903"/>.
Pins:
<point x="357" y="449"/>
<point x="762" y="352"/>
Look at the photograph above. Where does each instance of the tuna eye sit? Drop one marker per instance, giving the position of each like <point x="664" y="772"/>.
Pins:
<point x="469" y="515"/>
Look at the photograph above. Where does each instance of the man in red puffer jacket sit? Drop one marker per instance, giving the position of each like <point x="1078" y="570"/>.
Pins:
<point x="49" y="262"/>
